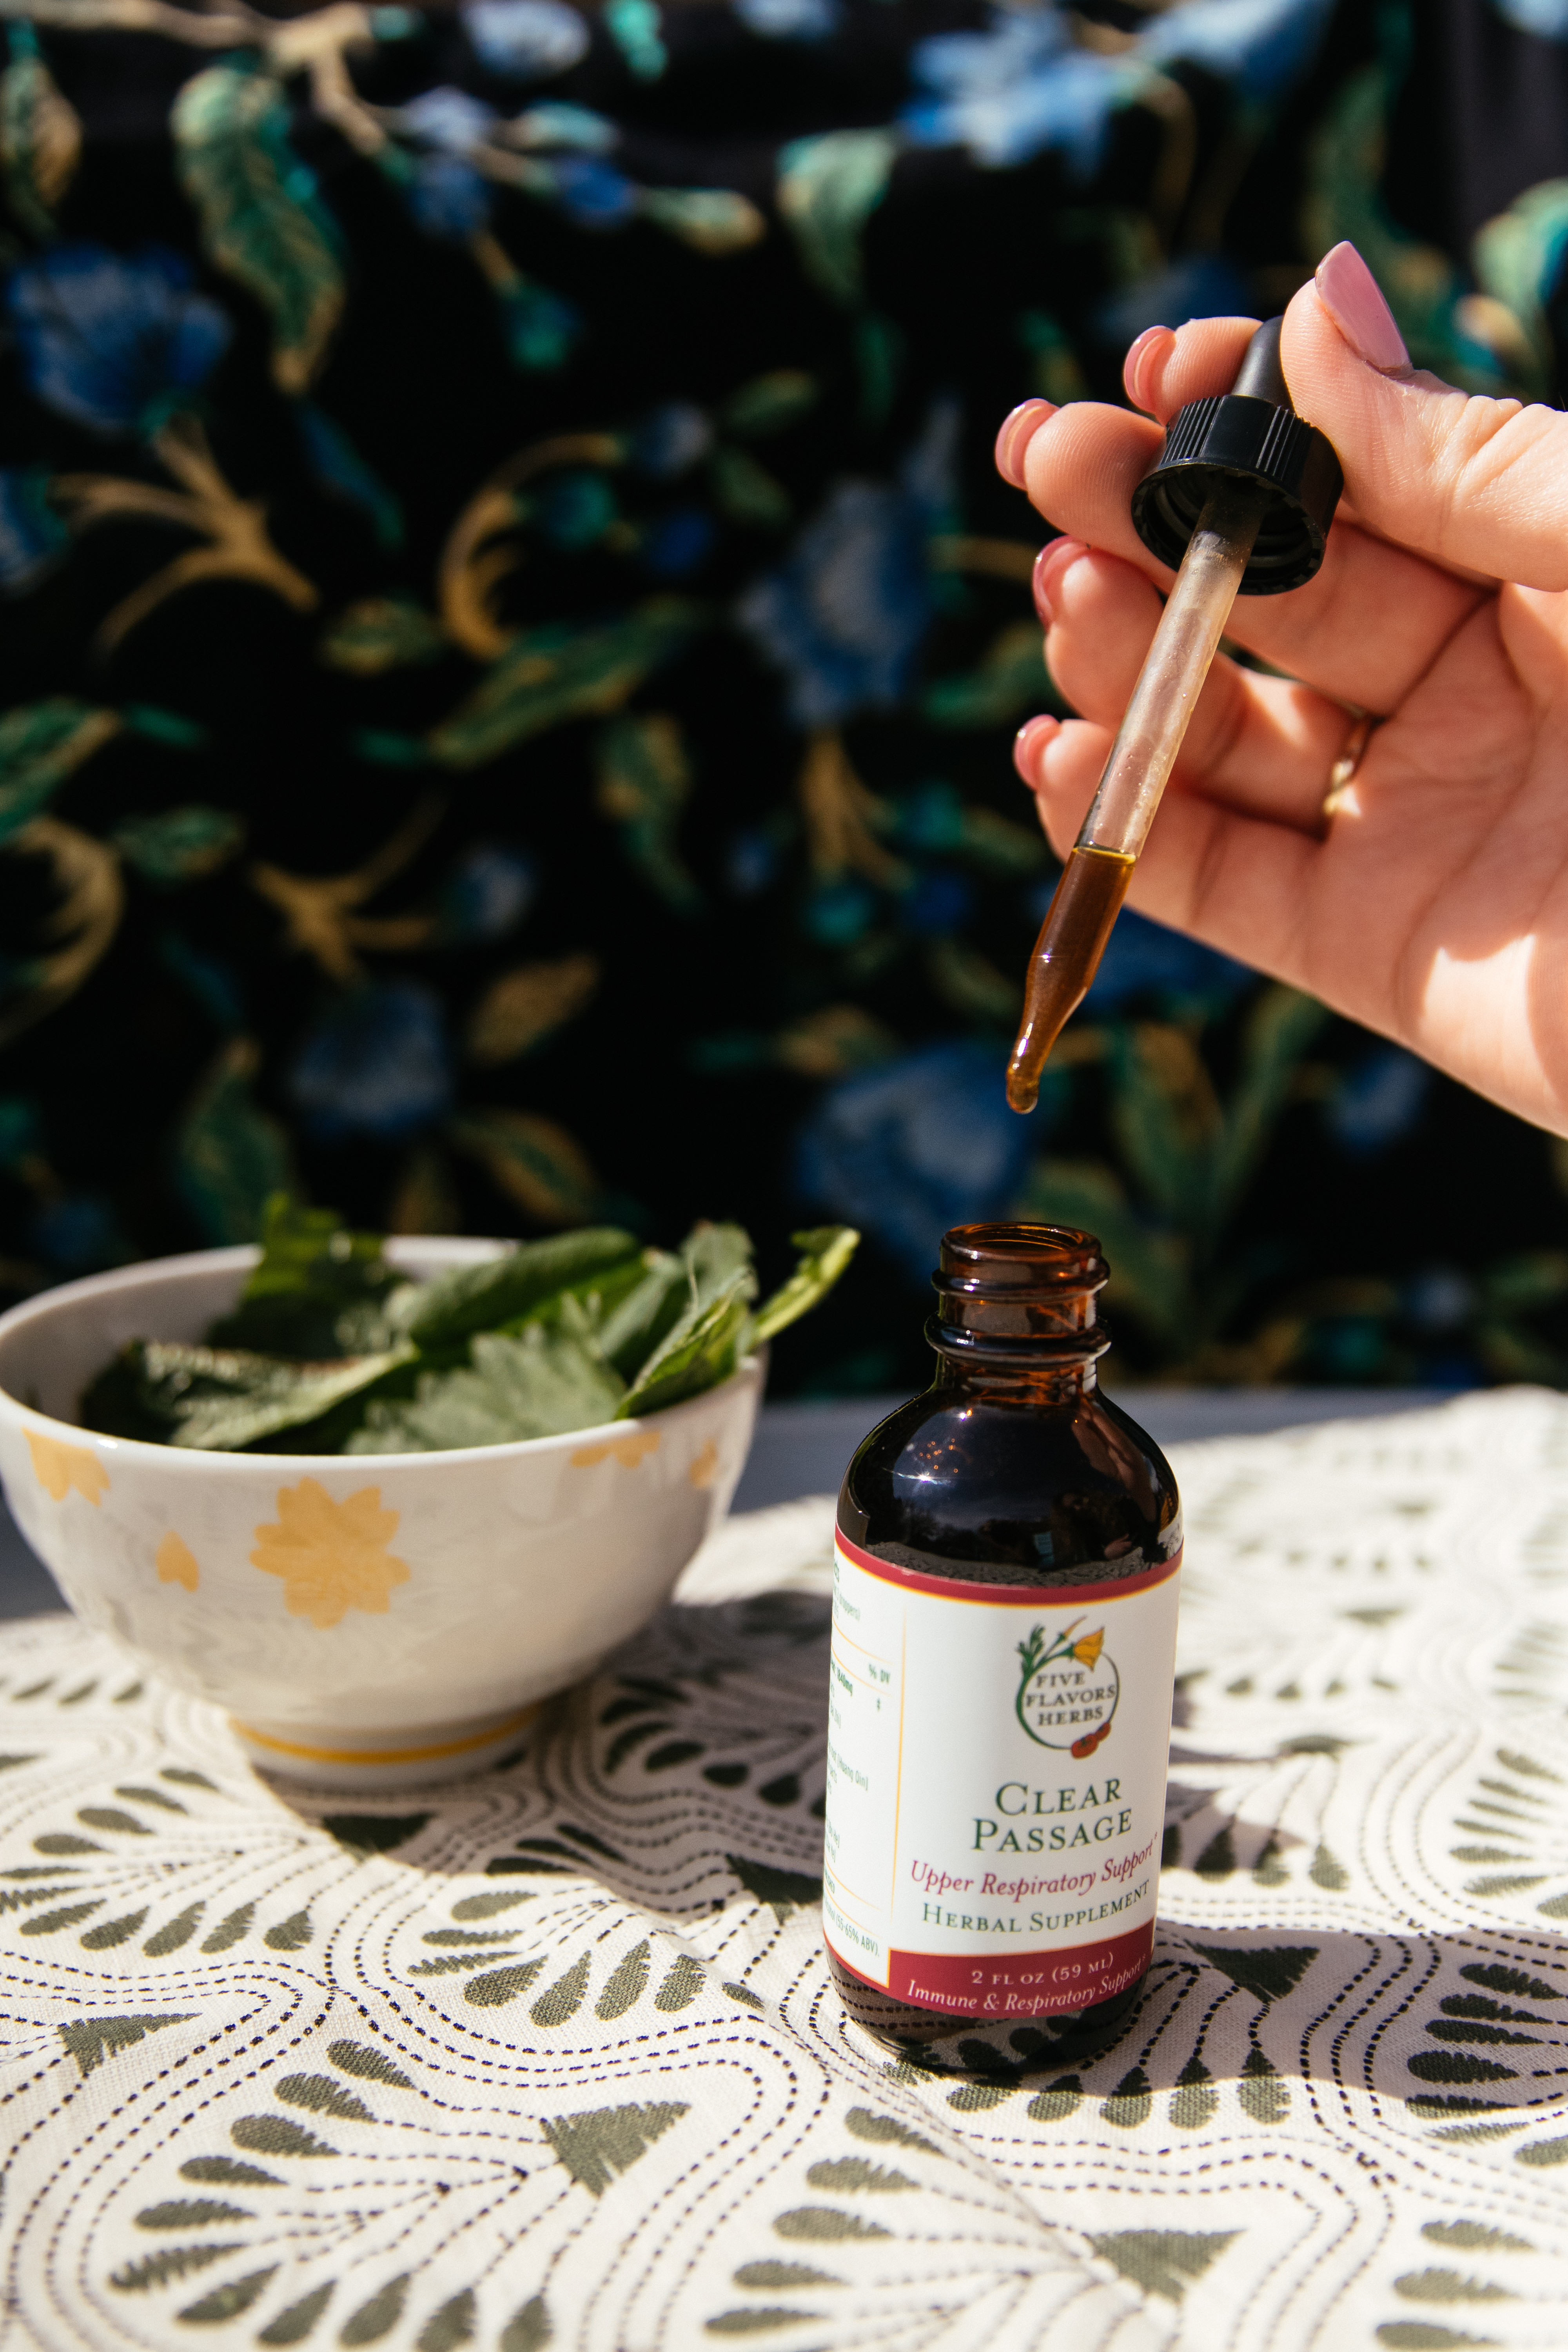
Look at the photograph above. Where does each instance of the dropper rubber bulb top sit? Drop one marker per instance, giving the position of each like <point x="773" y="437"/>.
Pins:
<point x="1241" y="500"/>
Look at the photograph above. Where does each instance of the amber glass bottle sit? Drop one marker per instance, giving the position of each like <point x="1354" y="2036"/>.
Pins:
<point x="1004" y="1647"/>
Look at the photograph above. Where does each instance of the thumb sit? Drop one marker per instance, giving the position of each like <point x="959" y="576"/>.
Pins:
<point x="1466" y="480"/>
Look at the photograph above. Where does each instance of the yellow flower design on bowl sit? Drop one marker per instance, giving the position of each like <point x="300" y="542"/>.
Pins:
<point x="333" y="1557"/>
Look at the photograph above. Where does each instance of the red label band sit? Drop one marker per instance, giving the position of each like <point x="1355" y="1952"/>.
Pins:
<point x="1019" y="1984"/>
<point x="1013" y="1596"/>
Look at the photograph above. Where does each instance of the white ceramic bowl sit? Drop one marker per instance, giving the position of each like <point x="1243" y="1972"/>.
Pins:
<point x="372" y="1620"/>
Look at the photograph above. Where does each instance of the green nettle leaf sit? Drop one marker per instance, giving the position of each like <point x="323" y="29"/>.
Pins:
<point x="542" y="1382"/>
<point x="221" y="1399"/>
<point x="41" y="140"/>
<point x="482" y="1297"/>
<point x="547" y="675"/>
<point x="232" y="1156"/>
<point x="316" y="1292"/>
<point x="824" y="1251"/>
<point x="702" y="1350"/>
<point x="383" y="633"/>
<point x="631" y="1332"/>
<point x="262" y="220"/>
<point x="828" y="188"/>
<point x="179" y="845"/>
<point x="40" y="745"/>
<point x="716" y="1254"/>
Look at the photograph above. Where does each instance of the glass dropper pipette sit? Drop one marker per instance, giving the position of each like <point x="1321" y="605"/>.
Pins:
<point x="1240" y="500"/>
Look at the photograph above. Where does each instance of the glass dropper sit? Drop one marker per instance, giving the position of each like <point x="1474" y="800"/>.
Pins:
<point x="1241" y="500"/>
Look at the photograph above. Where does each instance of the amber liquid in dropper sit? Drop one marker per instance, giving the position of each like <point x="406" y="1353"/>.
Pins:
<point x="1067" y="955"/>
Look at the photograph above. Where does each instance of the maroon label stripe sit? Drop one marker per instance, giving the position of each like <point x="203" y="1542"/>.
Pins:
<point x="1008" y="1596"/>
<point x="1022" y="1984"/>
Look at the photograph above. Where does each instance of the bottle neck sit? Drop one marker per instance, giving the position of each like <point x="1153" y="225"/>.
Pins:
<point x="1016" y="1318"/>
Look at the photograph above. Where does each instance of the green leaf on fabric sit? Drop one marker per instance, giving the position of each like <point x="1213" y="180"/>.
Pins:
<point x="232" y="1157"/>
<point x="92" y="2040"/>
<point x="547" y="675"/>
<point x="1268" y="1972"/>
<point x="1162" y="2261"/>
<point x="824" y="1251"/>
<point x="226" y="2302"/>
<point x="784" y="1890"/>
<point x="40" y="141"/>
<point x="179" y="845"/>
<point x="1010" y="679"/>
<point x="338" y="467"/>
<point x="221" y="1399"/>
<point x="535" y="1162"/>
<point x="714" y="220"/>
<point x="315" y="1292"/>
<point x="700" y="1351"/>
<point x="1151" y="1277"/>
<point x="41" y="744"/>
<point x="770" y="403"/>
<point x="542" y="1383"/>
<point x="644" y="781"/>
<point x="469" y="1298"/>
<point x="168" y="2262"/>
<point x="528" y="2330"/>
<point x="595" y="2146"/>
<point x="262" y="221"/>
<point x="382" y="633"/>
<point x="828" y="188"/>
<point x="746" y="491"/>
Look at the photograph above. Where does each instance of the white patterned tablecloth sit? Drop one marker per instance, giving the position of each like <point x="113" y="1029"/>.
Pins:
<point x="551" y="2057"/>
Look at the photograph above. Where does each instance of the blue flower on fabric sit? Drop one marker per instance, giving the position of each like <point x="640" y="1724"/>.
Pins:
<point x="1547" y="19"/>
<point x="670" y="440"/>
<point x="936" y="904"/>
<point x="1016" y="91"/>
<point x="486" y="894"/>
<point x="113" y="342"/>
<point x="592" y="193"/>
<point x="75" y="1234"/>
<point x="1378" y="1099"/>
<point x="788" y="20"/>
<point x="846" y="615"/>
<point x="376" y="1064"/>
<point x="916" y="1145"/>
<point x="31" y="533"/>
<point x="541" y="329"/>
<point x="525" y="40"/>
<point x="448" y="119"/>
<point x="447" y="198"/>
<point x="679" y="543"/>
<point x="1259" y="47"/>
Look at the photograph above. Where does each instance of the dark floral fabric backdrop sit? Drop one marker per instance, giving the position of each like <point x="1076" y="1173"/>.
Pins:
<point x="513" y="636"/>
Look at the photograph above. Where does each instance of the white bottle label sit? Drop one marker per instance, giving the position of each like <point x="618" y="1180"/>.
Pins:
<point x="996" y="1759"/>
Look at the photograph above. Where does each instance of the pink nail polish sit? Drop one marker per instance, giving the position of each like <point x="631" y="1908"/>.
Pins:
<point x="1353" y="300"/>
<point x="1131" y="365"/>
<point x="1050" y="565"/>
<point x="1018" y="430"/>
<point x="1027" y="745"/>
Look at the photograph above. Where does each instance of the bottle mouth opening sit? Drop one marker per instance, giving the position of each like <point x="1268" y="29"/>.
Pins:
<point x="1018" y="1258"/>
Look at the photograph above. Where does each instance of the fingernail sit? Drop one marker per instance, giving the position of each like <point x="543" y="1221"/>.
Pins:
<point x="1353" y="300"/>
<point x="1051" y="563"/>
<point x="1017" y="431"/>
<point x="1132" y="366"/>
<point x="1028" y="744"/>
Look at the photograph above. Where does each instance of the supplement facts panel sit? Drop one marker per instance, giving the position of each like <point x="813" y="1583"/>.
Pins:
<point x="865" y="1714"/>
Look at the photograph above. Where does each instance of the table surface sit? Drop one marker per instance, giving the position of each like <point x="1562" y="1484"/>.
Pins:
<point x="552" y="2057"/>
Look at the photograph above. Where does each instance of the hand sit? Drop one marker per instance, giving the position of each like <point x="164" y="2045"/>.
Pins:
<point x="1433" y="903"/>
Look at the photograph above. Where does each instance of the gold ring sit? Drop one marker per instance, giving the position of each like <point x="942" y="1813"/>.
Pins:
<point x="1341" y="775"/>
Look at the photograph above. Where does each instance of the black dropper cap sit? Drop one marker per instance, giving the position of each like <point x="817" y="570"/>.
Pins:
<point x="1250" y="433"/>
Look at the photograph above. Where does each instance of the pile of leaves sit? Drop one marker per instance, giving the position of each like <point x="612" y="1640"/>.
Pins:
<point x="332" y="1350"/>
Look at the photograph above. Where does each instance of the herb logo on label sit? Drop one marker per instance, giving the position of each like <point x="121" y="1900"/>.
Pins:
<point x="1067" y="1689"/>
